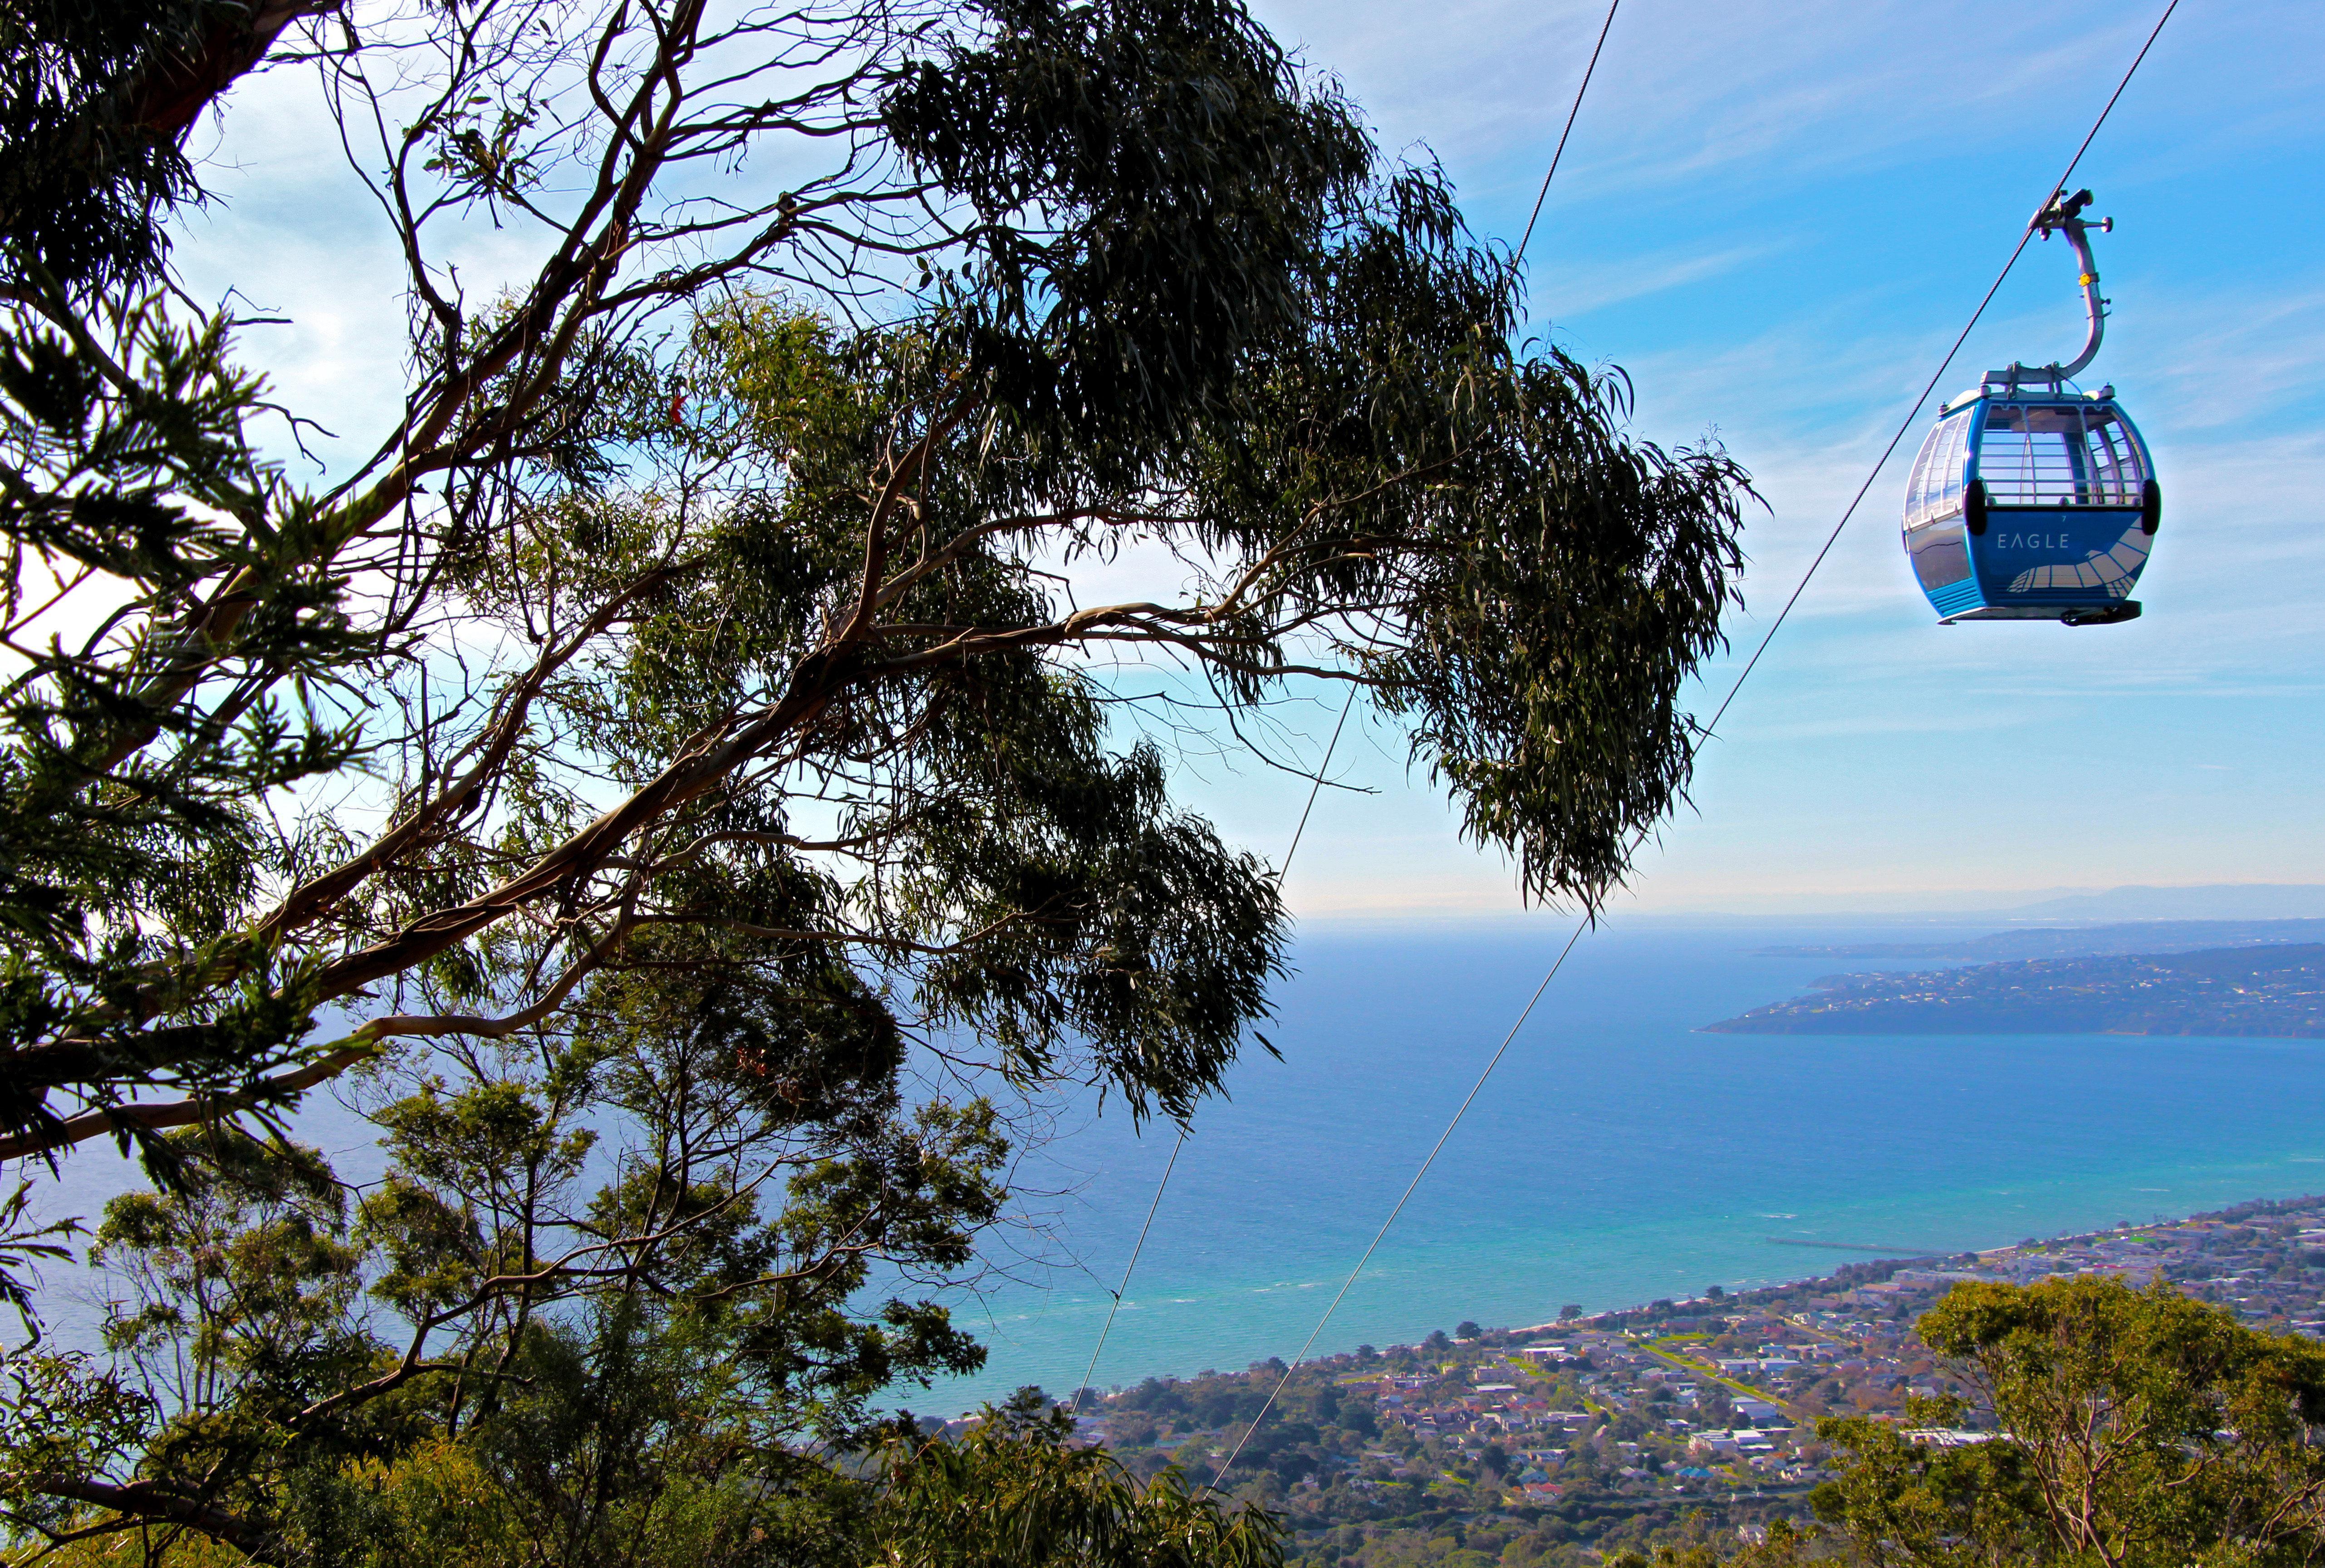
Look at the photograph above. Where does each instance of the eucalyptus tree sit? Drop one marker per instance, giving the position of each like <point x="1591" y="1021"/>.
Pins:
<point x="675" y="781"/>
<point x="2125" y="1429"/>
<point x="93" y="99"/>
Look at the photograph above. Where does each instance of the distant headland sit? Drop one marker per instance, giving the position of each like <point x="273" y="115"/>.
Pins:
<point x="2264" y="987"/>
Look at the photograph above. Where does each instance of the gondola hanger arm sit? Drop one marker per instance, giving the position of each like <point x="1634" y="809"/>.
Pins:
<point x="2063" y="214"/>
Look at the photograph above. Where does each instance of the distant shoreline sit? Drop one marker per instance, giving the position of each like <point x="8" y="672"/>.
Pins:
<point x="1670" y="1416"/>
<point x="1929" y="1272"/>
<point x="1997" y="1259"/>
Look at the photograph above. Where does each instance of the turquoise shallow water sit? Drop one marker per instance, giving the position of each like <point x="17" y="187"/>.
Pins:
<point x="1616" y="1155"/>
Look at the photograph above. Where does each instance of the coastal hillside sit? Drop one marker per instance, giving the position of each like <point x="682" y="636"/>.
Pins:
<point x="1675" y="1422"/>
<point x="2276" y="991"/>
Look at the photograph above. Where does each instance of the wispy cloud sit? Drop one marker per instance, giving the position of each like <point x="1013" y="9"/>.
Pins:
<point x="1569" y="289"/>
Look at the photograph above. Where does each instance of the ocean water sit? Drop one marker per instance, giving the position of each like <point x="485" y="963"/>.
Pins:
<point x="1617" y="1154"/>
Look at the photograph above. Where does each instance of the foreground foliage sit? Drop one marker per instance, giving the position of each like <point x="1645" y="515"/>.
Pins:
<point x="1013" y="1492"/>
<point x="2137" y="1428"/>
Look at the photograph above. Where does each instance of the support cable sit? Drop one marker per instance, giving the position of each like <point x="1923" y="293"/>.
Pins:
<point x="1160" y="1187"/>
<point x="1705" y="735"/>
<point x="1315" y="787"/>
<point x="1559" y="151"/>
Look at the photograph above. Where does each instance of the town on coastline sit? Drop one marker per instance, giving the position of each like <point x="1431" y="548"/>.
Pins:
<point x="1676" y="1422"/>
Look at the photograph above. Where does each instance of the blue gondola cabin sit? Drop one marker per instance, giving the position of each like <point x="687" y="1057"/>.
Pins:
<point x="2032" y="506"/>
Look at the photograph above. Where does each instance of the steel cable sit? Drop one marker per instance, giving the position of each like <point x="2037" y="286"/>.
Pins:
<point x="1315" y="786"/>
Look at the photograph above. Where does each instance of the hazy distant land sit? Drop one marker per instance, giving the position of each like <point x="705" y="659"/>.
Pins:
<point x="2275" y="990"/>
<point x="2146" y="936"/>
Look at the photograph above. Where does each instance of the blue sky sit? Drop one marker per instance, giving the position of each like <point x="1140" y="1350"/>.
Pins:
<point x="1776" y="217"/>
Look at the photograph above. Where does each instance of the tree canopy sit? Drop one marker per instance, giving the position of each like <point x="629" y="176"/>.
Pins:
<point x="674" y="785"/>
<point x="2127" y="1429"/>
